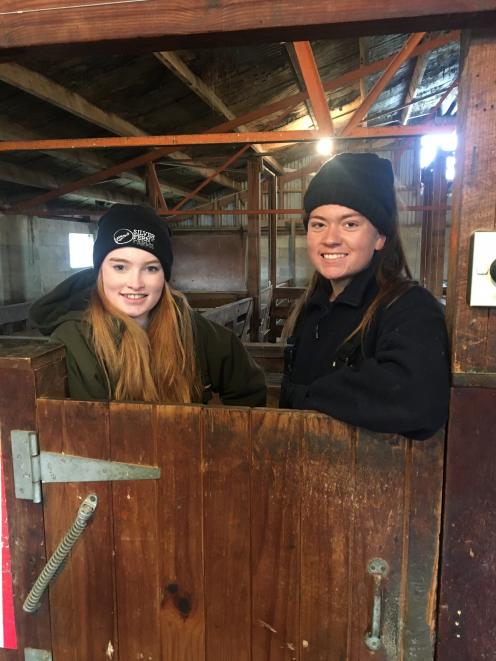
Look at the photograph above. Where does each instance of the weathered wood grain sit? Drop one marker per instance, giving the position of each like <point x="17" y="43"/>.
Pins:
<point x="424" y="524"/>
<point x="326" y="537"/>
<point x="467" y="619"/>
<point x="474" y="203"/>
<point x="178" y="432"/>
<point x="275" y="534"/>
<point x="227" y="534"/>
<point x="381" y="502"/>
<point x="82" y="595"/>
<point x="136" y="539"/>
<point x="153" y="25"/>
<point x="19" y="387"/>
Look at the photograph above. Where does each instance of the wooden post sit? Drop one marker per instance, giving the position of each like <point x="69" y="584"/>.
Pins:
<point x="273" y="231"/>
<point x="28" y="369"/>
<point x="254" y="235"/>
<point x="467" y="620"/>
<point x="434" y="226"/>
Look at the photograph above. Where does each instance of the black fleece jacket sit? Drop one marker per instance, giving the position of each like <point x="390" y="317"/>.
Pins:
<point x="396" y="381"/>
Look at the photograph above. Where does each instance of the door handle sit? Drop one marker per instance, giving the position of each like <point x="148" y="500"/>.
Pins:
<point x="379" y="569"/>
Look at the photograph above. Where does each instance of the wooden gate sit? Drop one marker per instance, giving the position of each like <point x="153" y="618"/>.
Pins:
<point x="254" y="544"/>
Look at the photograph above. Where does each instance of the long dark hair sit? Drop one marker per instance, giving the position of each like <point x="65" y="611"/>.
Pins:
<point x="393" y="278"/>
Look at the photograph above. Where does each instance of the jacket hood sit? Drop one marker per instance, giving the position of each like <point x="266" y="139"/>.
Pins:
<point x="64" y="303"/>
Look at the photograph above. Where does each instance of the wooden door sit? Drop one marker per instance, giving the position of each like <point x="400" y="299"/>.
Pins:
<point x="254" y="543"/>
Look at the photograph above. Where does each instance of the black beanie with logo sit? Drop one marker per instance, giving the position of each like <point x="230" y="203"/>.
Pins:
<point x="133" y="226"/>
<point x="363" y="182"/>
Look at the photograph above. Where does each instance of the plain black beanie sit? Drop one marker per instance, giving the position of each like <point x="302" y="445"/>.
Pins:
<point x="126" y="226"/>
<point x="363" y="182"/>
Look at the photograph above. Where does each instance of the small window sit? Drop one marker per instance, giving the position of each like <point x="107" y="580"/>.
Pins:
<point x="80" y="250"/>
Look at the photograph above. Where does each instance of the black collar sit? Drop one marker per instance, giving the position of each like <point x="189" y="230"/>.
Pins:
<point x="353" y="294"/>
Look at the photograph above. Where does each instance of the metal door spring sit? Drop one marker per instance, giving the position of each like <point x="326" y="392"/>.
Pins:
<point x="84" y="514"/>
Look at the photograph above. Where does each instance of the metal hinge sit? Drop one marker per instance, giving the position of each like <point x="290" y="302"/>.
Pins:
<point x="33" y="468"/>
<point x="30" y="654"/>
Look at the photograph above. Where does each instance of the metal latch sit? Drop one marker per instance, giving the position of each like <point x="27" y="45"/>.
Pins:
<point x="32" y="467"/>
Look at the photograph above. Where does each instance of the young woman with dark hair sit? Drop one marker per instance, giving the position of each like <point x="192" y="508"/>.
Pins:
<point x="365" y="344"/>
<point x="129" y="336"/>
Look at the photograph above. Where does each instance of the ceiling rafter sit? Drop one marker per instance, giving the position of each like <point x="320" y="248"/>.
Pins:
<point x="39" y="179"/>
<point x="401" y="57"/>
<point x="313" y="84"/>
<point x="37" y="85"/>
<point x="290" y="50"/>
<point x="443" y="98"/>
<point x="289" y="102"/>
<point x="283" y="105"/>
<point x="225" y="165"/>
<point x="153" y="187"/>
<point x="11" y="131"/>
<point x="415" y="80"/>
<point x="363" y="49"/>
<point x="181" y="70"/>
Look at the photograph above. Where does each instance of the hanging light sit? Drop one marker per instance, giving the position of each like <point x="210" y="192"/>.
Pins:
<point x="325" y="146"/>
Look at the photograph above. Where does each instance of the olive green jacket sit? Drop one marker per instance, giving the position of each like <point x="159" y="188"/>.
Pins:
<point x="225" y="365"/>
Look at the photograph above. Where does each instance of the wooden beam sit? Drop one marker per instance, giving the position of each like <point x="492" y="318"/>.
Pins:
<point x="180" y="69"/>
<point x="313" y="83"/>
<point x="442" y="99"/>
<point x="163" y="140"/>
<point x="10" y="130"/>
<point x="383" y="81"/>
<point x="218" y="138"/>
<point x="153" y="187"/>
<point x="155" y="25"/>
<point x="51" y="92"/>
<point x="415" y="80"/>
<point x="38" y="179"/>
<point x="253" y="246"/>
<point x="290" y="102"/>
<point x="363" y="48"/>
<point x="225" y="165"/>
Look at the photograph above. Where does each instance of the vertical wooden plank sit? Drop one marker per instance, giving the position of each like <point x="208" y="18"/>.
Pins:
<point x="467" y="618"/>
<point x="272" y="200"/>
<point x="381" y="496"/>
<point x="254" y="236"/>
<point x="326" y="514"/>
<point x="133" y="440"/>
<point x="180" y="528"/>
<point x="85" y="631"/>
<point x="434" y="226"/>
<point x="25" y="369"/>
<point x="25" y="518"/>
<point x="227" y="534"/>
<point x="275" y="534"/>
<point x="423" y="548"/>
<point x="474" y="202"/>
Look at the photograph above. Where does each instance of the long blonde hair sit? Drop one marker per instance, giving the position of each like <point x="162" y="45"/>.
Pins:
<point x="156" y="364"/>
<point x="393" y="277"/>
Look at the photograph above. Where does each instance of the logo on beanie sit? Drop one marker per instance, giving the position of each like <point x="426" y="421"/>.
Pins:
<point x="140" y="238"/>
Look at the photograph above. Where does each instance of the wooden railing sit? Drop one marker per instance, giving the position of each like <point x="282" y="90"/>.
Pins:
<point x="283" y="300"/>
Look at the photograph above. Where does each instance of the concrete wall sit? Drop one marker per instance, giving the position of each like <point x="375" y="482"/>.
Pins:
<point x="34" y="255"/>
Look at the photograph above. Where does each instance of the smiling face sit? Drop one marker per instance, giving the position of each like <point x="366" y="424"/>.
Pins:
<point x="133" y="282"/>
<point x="341" y="243"/>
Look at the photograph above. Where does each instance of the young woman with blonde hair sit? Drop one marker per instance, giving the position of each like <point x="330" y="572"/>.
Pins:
<point x="129" y="336"/>
<point x="366" y="344"/>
